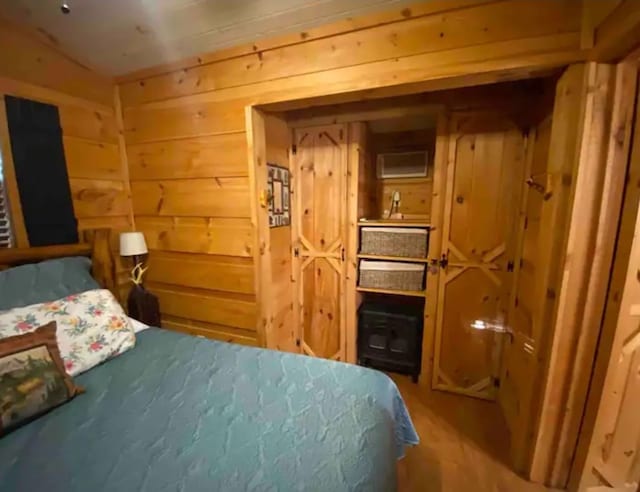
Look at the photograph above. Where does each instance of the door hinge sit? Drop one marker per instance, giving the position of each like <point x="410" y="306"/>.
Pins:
<point x="296" y="252"/>
<point x="510" y="266"/>
<point x="294" y="149"/>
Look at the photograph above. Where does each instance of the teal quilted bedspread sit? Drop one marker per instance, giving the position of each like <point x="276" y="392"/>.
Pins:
<point x="179" y="413"/>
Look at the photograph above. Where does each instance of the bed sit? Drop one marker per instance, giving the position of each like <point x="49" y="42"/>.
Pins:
<point x="184" y="413"/>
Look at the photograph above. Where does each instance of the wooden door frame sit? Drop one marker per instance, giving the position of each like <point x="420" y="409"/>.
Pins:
<point x="357" y="133"/>
<point x="585" y="452"/>
<point x="440" y="159"/>
<point x="541" y="472"/>
<point x="599" y="173"/>
<point x="257" y="163"/>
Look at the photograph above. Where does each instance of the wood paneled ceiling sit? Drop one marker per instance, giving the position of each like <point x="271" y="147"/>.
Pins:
<point x="119" y="36"/>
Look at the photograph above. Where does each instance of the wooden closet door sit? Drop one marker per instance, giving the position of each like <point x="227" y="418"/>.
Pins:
<point x="320" y="191"/>
<point x="484" y="178"/>
<point x="526" y="305"/>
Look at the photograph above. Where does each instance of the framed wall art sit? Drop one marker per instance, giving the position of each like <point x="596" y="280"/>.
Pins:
<point x="278" y="189"/>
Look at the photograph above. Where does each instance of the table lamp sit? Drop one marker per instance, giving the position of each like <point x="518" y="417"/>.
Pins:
<point x="133" y="244"/>
<point x="141" y="304"/>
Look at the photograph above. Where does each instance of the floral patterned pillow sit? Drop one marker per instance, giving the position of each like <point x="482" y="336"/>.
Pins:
<point x="92" y="327"/>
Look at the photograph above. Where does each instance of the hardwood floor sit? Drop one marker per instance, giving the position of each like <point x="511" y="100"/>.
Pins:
<point x="463" y="445"/>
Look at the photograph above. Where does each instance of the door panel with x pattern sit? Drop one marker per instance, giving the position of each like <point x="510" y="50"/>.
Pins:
<point x="484" y="176"/>
<point x="320" y="180"/>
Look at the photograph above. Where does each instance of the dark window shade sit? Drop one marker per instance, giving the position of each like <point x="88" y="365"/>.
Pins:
<point x="41" y="172"/>
<point x="5" y="226"/>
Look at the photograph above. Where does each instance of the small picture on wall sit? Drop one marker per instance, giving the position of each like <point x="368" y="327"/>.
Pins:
<point x="278" y="189"/>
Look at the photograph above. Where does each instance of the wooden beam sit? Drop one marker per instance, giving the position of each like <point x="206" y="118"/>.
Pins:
<point x="618" y="34"/>
<point x="440" y="69"/>
<point x="473" y="26"/>
<point x="594" y="12"/>
<point x="326" y="31"/>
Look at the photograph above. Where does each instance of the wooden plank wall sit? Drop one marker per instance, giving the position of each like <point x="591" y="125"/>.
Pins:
<point x="597" y="448"/>
<point x="185" y="123"/>
<point x="86" y="102"/>
<point x="600" y="161"/>
<point x="415" y="193"/>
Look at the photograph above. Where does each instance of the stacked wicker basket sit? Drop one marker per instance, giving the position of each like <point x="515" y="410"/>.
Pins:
<point x="382" y="251"/>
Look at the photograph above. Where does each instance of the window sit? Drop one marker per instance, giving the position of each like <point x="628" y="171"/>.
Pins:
<point x="5" y="227"/>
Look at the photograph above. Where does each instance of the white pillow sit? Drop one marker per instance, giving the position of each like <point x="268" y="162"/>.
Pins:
<point x="138" y="326"/>
<point x="92" y="327"/>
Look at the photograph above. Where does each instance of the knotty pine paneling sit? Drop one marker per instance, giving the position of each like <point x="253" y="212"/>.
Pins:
<point x="415" y="193"/>
<point x="433" y="33"/>
<point x="92" y="159"/>
<point x="210" y="330"/>
<point x="31" y="61"/>
<point x="214" y="236"/>
<point x="200" y="157"/>
<point x="415" y="196"/>
<point x="149" y="124"/>
<point x="199" y="197"/>
<point x="221" y="273"/>
<point x="88" y="123"/>
<point x="99" y="198"/>
<point x="208" y="306"/>
<point x="222" y="111"/>
<point x="184" y="128"/>
<point x="86" y="105"/>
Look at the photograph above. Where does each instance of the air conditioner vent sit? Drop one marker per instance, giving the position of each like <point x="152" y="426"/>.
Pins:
<point x="402" y="164"/>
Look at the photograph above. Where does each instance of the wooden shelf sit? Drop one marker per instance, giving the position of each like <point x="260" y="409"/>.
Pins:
<point x="412" y="293"/>
<point x="393" y="223"/>
<point x="394" y="258"/>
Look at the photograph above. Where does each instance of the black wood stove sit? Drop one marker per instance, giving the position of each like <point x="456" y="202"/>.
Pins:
<point x="390" y="337"/>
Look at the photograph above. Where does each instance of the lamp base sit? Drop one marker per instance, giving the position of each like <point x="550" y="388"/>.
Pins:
<point x="143" y="306"/>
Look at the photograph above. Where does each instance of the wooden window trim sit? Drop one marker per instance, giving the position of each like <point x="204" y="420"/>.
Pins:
<point x="20" y="238"/>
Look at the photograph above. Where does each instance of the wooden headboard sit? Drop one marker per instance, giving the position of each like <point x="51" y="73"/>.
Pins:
<point x="95" y="245"/>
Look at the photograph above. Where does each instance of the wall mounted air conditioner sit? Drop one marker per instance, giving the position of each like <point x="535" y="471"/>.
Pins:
<point x="403" y="164"/>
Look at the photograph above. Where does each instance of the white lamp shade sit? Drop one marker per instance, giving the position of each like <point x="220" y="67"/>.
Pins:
<point x="132" y="244"/>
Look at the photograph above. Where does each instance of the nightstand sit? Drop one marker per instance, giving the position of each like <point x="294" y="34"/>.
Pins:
<point x="143" y="306"/>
